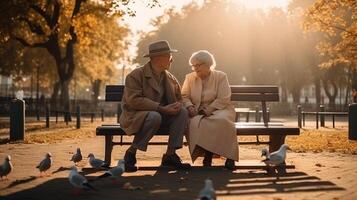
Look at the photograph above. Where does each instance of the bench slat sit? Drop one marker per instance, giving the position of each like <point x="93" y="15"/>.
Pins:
<point x="254" y="89"/>
<point x="117" y="130"/>
<point x="114" y="89"/>
<point x="254" y="97"/>
<point x="113" y="97"/>
<point x="241" y="130"/>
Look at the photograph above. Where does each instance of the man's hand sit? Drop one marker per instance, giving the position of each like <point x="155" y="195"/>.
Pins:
<point x="192" y="111"/>
<point x="171" y="109"/>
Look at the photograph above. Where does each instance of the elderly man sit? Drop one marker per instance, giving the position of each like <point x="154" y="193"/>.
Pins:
<point x="152" y="99"/>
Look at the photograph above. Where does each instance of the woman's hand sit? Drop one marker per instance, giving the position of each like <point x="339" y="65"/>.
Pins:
<point x="205" y="111"/>
<point x="192" y="111"/>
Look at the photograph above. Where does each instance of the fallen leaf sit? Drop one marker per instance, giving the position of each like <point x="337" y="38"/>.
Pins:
<point x="319" y="165"/>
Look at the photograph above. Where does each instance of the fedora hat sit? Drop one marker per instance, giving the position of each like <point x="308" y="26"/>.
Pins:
<point x="159" y="47"/>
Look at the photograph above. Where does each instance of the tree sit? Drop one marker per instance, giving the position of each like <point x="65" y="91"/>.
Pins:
<point x="97" y="60"/>
<point x="55" y="25"/>
<point x="336" y="19"/>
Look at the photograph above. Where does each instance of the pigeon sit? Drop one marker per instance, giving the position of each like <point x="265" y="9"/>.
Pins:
<point x="79" y="181"/>
<point x="77" y="157"/>
<point x="276" y="157"/>
<point x="45" y="164"/>
<point x="208" y="192"/>
<point x="116" y="171"/>
<point x="265" y="153"/>
<point x="6" y="167"/>
<point x="95" y="163"/>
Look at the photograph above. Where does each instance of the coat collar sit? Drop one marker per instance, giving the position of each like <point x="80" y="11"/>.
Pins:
<point x="169" y="88"/>
<point x="148" y="73"/>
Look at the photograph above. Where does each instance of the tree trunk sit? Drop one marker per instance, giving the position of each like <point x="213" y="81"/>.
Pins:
<point x="296" y="92"/>
<point x="354" y="85"/>
<point x="331" y="96"/>
<point x="54" y="95"/>
<point x="95" y="89"/>
<point x="317" y="83"/>
<point x="284" y="93"/>
<point x="65" y="100"/>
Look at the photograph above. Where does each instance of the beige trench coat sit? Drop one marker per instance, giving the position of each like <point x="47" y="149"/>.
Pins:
<point x="141" y="95"/>
<point x="217" y="132"/>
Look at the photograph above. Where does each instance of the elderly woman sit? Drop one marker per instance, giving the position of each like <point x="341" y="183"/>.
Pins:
<point x="206" y="94"/>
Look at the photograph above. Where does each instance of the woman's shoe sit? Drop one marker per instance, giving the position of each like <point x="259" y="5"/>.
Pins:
<point x="230" y="165"/>
<point x="207" y="161"/>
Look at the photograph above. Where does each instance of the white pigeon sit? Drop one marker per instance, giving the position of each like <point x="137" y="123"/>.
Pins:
<point x="94" y="162"/>
<point x="277" y="157"/>
<point x="78" y="181"/>
<point x="208" y="192"/>
<point x="77" y="157"/>
<point x="6" y="167"/>
<point x="116" y="171"/>
<point x="45" y="164"/>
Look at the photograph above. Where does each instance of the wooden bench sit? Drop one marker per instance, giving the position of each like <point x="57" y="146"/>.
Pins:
<point x="275" y="130"/>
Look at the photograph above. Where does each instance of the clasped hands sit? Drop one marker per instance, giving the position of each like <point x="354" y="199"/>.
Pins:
<point x="193" y="112"/>
<point x="170" y="109"/>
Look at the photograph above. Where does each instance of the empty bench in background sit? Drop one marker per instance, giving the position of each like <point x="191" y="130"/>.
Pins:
<point x="275" y="130"/>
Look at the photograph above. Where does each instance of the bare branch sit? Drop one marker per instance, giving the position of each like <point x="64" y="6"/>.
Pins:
<point x="42" y="13"/>
<point x="35" y="28"/>
<point x="56" y="14"/>
<point x="25" y="43"/>
<point x="337" y="27"/>
<point x="77" y="7"/>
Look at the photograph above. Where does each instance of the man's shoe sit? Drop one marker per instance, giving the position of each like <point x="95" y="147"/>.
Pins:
<point x="130" y="161"/>
<point x="230" y="164"/>
<point x="174" y="161"/>
<point x="207" y="160"/>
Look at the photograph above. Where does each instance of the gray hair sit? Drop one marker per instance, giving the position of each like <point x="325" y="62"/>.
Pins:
<point x="203" y="56"/>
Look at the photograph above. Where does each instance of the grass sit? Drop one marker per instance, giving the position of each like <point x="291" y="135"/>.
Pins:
<point x="36" y="132"/>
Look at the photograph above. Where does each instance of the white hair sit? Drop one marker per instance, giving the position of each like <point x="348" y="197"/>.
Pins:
<point x="203" y="56"/>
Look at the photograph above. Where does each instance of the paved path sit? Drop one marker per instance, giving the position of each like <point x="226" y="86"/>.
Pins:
<point x="317" y="175"/>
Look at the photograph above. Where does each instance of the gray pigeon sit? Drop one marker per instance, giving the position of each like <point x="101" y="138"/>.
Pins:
<point x="208" y="192"/>
<point x="94" y="162"/>
<point x="78" y="181"/>
<point x="116" y="171"/>
<point x="276" y="157"/>
<point x="6" y="167"/>
<point x="45" y="164"/>
<point x="77" y="157"/>
<point x="265" y="153"/>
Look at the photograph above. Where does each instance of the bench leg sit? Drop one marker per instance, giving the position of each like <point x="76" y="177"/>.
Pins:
<point x="275" y="143"/>
<point x="108" y="149"/>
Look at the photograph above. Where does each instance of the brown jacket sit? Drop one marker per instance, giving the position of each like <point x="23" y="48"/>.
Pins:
<point x="141" y="95"/>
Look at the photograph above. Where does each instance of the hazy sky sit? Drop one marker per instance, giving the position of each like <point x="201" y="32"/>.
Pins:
<point x="141" y="22"/>
<point x="144" y="14"/>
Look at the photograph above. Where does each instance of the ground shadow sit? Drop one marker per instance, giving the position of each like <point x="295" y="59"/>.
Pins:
<point x="167" y="184"/>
